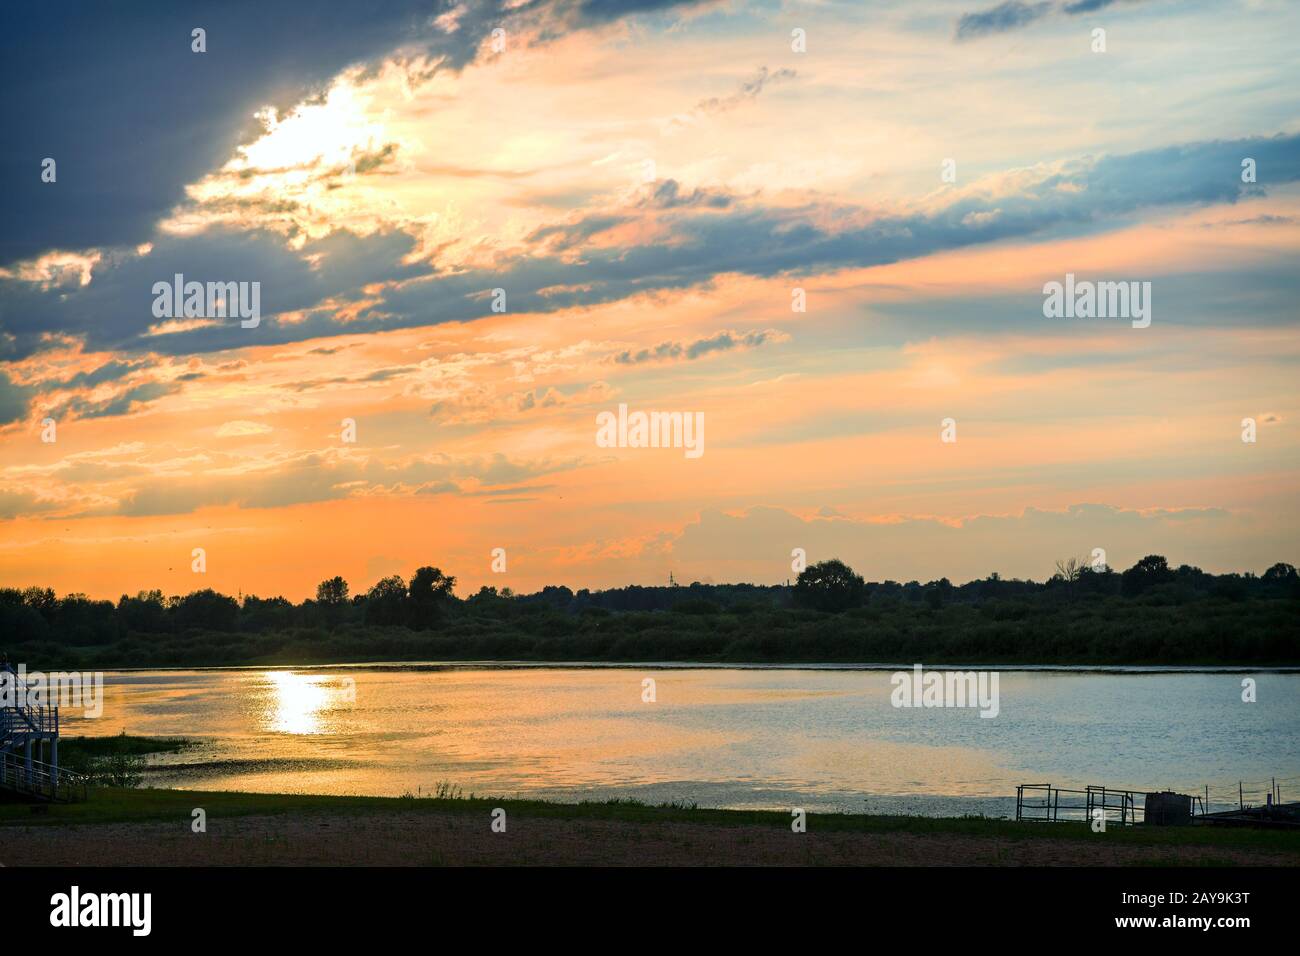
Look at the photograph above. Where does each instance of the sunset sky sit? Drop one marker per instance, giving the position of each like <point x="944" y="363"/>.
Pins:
<point x="649" y="182"/>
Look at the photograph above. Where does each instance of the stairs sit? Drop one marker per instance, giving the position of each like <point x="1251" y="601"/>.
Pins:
<point x="23" y="727"/>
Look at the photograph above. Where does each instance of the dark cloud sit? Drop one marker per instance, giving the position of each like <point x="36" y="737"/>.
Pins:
<point x="503" y="492"/>
<point x="724" y="341"/>
<point x="563" y="236"/>
<point x="599" y="11"/>
<point x="19" y="503"/>
<point x="325" y="476"/>
<point x="1261" y="220"/>
<point x="14" y="399"/>
<point x="1087" y="6"/>
<point x="1010" y="15"/>
<point x="115" y="310"/>
<point x="124" y="402"/>
<point x="115" y="95"/>
<point x="748" y="90"/>
<point x="1015" y="14"/>
<point x="746" y="238"/>
<point x="108" y="372"/>
<point x="668" y="194"/>
<point x="751" y="239"/>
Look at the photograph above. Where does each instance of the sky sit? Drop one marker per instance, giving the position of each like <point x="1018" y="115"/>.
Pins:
<point x="823" y="229"/>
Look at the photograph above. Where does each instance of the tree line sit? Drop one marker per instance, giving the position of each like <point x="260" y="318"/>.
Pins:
<point x="427" y="602"/>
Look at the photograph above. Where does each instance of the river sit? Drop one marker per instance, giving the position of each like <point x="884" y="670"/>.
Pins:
<point x="820" y="738"/>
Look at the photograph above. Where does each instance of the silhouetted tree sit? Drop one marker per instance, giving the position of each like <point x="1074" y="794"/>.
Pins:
<point x="36" y="623"/>
<point x="41" y="600"/>
<point x="1068" y="571"/>
<point x="145" y="613"/>
<point x="430" y="593"/>
<point x="332" y="592"/>
<point x="386" y="601"/>
<point x="207" y="610"/>
<point x="331" y="600"/>
<point x="828" y="586"/>
<point x="267" y="614"/>
<point x="1230" y="587"/>
<point x="19" y="622"/>
<point x="938" y="593"/>
<point x="551" y="596"/>
<point x="1280" y="572"/>
<point x="1100" y="580"/>
<point x="1147" y="573"/>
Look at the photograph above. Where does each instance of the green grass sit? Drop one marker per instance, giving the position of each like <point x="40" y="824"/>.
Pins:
<point x="114" y="805"/>
<point x="117" y="760"/>
<point x="71" y="748"/>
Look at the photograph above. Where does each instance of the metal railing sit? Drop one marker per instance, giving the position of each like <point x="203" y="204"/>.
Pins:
<point x="1044" y="803"/>
<point x="22" y="721"/>
<point x="16" y="722"/>
<point x="40" y="779"/>
<point x="1041" y="803"/>
<point x="1109" y="802"/>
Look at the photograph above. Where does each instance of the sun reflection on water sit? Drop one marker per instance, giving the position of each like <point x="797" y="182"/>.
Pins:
<point x="298" y="702"/>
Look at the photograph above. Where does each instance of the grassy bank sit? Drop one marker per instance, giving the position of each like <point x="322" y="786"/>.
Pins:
<point x="76" y="752"/>
<point x="120" y="805"/>
<point x="124" y="825"/>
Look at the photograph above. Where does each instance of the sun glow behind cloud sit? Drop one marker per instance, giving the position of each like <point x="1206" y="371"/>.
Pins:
<point x="300" y="175"/>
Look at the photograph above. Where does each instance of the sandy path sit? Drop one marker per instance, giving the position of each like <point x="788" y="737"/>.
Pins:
<point x="423" y="839"/>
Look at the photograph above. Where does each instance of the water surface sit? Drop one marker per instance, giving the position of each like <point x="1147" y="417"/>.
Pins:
<point x="756" y="737"/>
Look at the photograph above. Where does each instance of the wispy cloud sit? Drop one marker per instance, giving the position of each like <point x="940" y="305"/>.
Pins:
<point x="724" y="341"/>
<point x="1009" y="15"/>
<point x="1017" y="14"/>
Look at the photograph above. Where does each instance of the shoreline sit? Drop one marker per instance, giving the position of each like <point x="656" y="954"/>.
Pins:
<point x="174" y="770"/>
<point x="151" y="827"/>
<point x="428" y="665"/>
